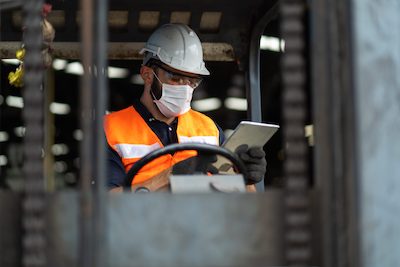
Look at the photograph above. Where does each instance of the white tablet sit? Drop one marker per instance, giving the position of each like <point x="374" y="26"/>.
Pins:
<point x="250" y="133"/>
<point x="247" y="132"/>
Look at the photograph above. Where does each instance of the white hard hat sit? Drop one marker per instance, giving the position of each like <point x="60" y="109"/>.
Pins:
<point x="177" y="46"/>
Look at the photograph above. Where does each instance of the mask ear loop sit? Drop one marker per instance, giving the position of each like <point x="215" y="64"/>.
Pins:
<point x="156" y="77"/>
<point x="151" y="89"/>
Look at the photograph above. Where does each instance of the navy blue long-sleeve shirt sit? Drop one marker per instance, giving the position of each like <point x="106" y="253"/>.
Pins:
<point x="166" y="133"/>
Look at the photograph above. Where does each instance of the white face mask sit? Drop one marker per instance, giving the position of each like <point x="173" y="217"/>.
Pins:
<point x="174" y="100"/>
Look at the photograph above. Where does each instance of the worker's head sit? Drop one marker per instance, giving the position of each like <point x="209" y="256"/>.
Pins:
<point x="173" y="67"/>
<point x="177" y="46"/>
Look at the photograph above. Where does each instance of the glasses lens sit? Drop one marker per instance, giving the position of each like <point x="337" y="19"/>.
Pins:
<point x="181" y="79"/>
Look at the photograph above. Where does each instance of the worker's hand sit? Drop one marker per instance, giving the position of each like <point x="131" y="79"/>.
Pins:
<point x="209" y="161"/>
<point x="255" y="162"/>
<point x="199" y="164"/>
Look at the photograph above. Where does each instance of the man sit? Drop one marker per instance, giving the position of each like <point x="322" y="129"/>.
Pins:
<point x="172" y="68"/>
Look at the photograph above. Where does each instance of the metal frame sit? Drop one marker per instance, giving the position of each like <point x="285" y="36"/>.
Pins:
<point x="253" y="74"/>
<point x="335" y="145"/>
<point x="94" y="96"/>
<point x="92" y="204"/>
<point x="172" y="222"/>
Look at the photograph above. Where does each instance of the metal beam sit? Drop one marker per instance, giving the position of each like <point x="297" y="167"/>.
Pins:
<point x="119" y="50"/>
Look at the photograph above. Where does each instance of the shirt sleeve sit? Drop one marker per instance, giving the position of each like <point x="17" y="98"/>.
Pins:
<point x="115" y="169"/>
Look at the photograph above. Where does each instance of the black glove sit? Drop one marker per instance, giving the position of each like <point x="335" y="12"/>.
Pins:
<point x="255" y="162"/>
<point x="207" y="161"/>
<point x="202" y="163"/>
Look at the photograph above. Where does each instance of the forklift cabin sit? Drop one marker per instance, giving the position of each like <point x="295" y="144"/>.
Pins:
<point x="86" y="226"/>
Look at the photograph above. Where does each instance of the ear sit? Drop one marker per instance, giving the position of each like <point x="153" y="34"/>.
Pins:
<point x="147" y="74"/>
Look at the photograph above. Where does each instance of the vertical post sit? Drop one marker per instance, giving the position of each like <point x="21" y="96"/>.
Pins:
<point x="94" y="93"/>
<point x="253" y="75"/>
<point x="100" y="93"/>
<point x="335" y="132"/>
<point x="86" y="237"/>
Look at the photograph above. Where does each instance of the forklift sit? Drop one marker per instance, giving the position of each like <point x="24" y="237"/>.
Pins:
<point x="88" y="226"/>
<point x="329" y="211"/>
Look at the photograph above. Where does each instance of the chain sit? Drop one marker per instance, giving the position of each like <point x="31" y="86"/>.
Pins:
<point x="297" y="234"/>
<point x="34" y="198"/>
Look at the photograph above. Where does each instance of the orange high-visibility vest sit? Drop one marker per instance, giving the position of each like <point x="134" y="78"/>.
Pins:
<point x="130" y="136"/>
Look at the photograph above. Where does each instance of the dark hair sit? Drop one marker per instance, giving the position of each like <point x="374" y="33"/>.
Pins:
<point x="149" y="59"/>
<point x="153" y="62"/>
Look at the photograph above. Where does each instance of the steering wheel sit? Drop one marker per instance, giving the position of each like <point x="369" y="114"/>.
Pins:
<point x="170" y="149"/>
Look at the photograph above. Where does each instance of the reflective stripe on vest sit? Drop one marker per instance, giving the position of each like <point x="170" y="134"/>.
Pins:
<point x="130" y="136"/>
<point x="211" y="140"/>
<point x="130" y="151"/>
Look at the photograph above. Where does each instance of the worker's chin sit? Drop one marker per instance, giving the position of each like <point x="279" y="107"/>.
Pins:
<point x="170" y="111"/>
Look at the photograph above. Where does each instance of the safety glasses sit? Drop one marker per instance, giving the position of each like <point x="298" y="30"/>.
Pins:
<point x="178" y="78"/>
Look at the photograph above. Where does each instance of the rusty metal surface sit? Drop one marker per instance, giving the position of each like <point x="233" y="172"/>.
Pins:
<point x="177" y="230"/>
<point x="119" y="50"/>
